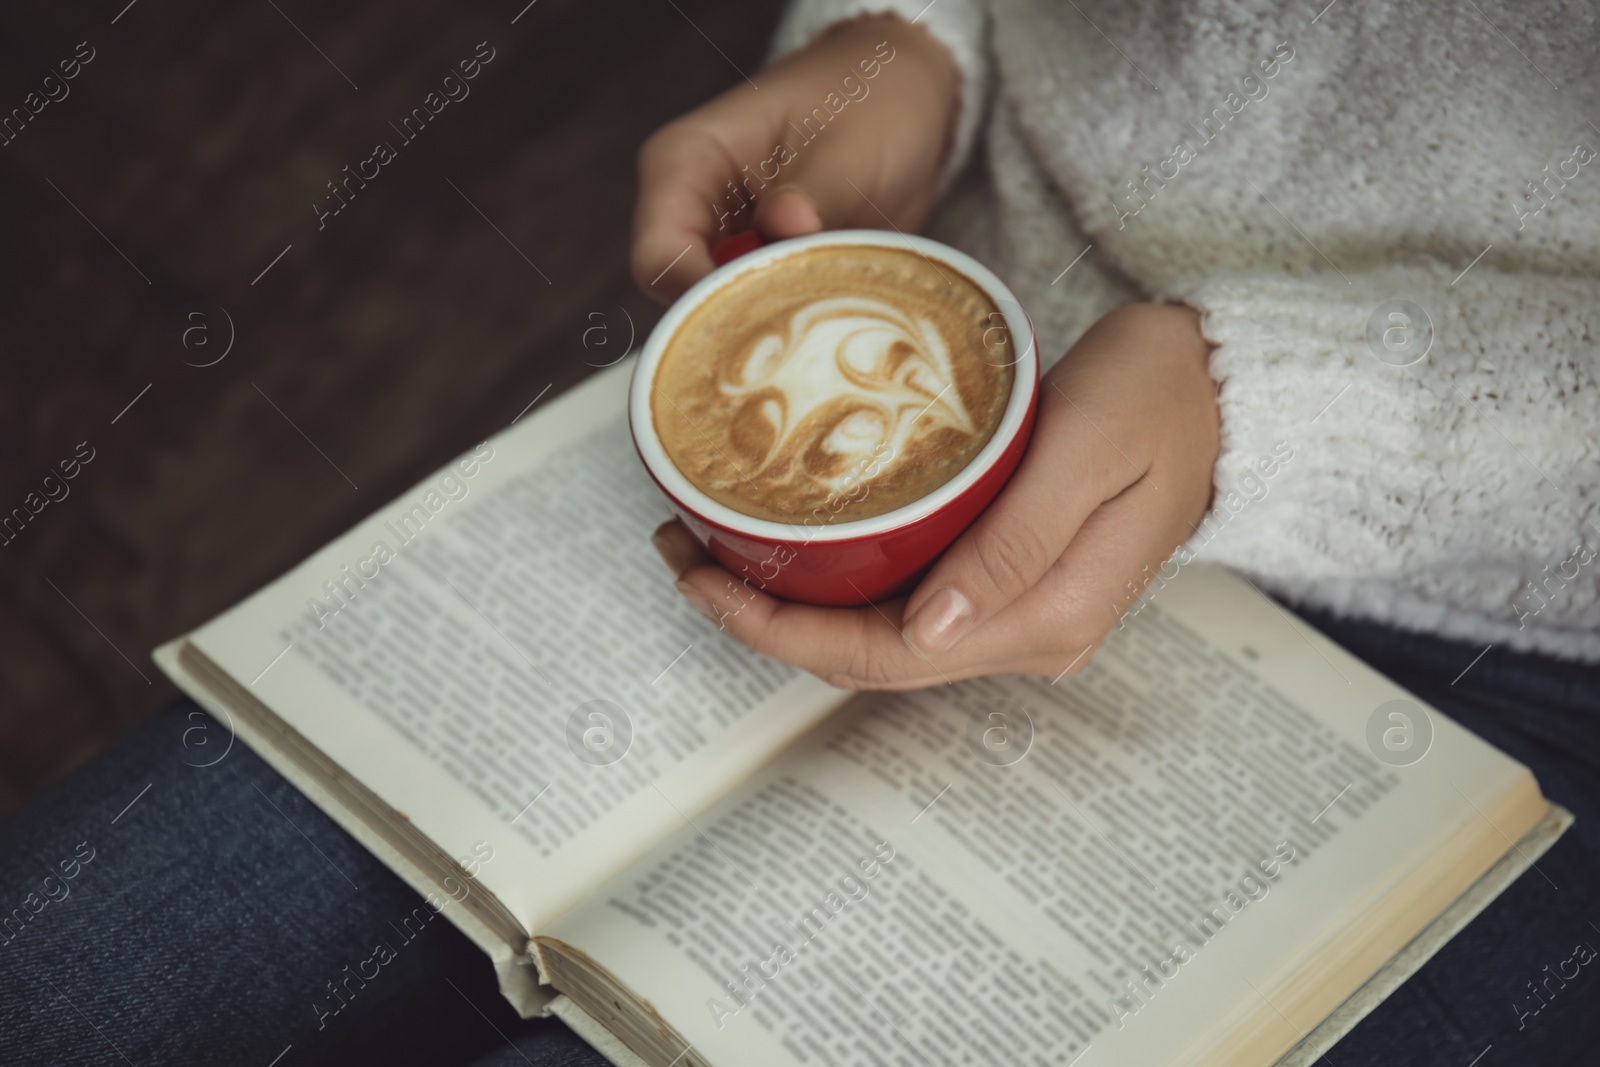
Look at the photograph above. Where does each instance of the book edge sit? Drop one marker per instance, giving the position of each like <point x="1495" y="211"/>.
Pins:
<point x="517" y="978"/>
<point x="1433" y="937"/>
<point x="598" y="1037"/>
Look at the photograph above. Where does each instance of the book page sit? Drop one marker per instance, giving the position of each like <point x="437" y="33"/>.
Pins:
<point x="1144" y="859"/>
<point x="500" y="656"/>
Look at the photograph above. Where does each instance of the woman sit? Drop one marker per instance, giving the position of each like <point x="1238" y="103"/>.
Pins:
<point x="1211" y="208"/>
<point x="1375" y="239"/>
<point x="1367" y="236"/>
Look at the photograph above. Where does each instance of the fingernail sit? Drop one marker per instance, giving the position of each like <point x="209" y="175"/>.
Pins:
<point x="674" y="552"/>
<point x="941" y="622"/>
<point x="664" y="550"/>
<point x="697" y="600"/>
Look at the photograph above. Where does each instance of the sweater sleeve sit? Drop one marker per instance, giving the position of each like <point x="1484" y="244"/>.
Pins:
<point x="1410" y="437"/>
<point x="960" y="25"/>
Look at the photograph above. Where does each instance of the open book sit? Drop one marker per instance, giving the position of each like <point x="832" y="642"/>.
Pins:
<point x="1188" y="853"/>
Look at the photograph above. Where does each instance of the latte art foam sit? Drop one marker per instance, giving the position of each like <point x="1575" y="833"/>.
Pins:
<point x="851" y="377"/>
<point x="834" y="384"/>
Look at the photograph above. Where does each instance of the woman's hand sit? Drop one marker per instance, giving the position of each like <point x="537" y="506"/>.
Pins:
<point x="852" y="130"/>
<point x="1118" y="474"/>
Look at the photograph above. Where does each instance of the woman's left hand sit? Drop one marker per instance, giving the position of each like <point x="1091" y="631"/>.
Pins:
<point x="1118" y="474"/>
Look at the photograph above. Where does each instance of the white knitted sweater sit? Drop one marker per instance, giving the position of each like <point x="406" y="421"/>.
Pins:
<point x="1294" y="172"/>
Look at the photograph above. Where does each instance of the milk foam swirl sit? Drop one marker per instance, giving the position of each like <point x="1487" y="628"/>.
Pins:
<point x="832" y="384"/>
<point x="852" y="384"/>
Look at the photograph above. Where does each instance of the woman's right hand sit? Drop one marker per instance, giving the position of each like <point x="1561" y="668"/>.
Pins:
<point x="851" y="131"/>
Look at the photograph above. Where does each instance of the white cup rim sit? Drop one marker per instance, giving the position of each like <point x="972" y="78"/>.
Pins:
<point x="642" y="419"/>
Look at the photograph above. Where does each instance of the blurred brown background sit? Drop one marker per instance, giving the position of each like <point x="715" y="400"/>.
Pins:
<point x="196" y="140"/>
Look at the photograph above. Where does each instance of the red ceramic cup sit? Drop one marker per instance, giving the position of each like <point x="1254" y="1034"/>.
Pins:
<point x="845" y="563"/>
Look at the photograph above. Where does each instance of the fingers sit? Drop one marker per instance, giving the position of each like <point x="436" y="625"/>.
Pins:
<point x="847" y="647"/>
<point x="851" y="648"/>
<point x="1069" y="470"/>
<point x="833" y="643"/>
<point x="817" y="196"/>
<point x="682" y="172"/>
<point x="1109" y="571"/>
<point x="789" y="160"/>
<point x="1115" y="477"/>
<point x="677" y="547"/>
<point x="787" y="212"/>
<point x="691" y="194"/>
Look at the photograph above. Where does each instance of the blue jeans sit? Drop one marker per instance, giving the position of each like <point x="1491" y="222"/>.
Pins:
<point x="153" y="911"/>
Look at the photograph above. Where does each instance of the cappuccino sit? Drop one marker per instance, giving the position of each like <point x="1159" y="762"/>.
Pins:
<point x="833" y="384"/>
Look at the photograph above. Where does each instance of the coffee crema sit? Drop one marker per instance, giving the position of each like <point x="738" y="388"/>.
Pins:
<point x="833" y="384"/>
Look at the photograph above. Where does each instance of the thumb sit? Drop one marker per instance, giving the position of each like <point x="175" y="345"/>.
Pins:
<point x="1059" y="484"/>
